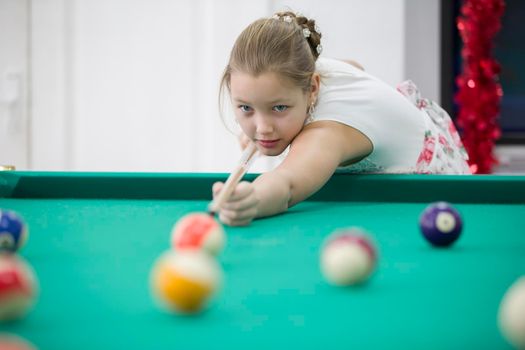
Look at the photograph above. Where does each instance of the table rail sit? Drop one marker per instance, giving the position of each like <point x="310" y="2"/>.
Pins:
<point x="197" y="186"/>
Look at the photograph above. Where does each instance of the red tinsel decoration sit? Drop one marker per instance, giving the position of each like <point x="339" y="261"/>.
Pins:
<point x="479" y="91"/>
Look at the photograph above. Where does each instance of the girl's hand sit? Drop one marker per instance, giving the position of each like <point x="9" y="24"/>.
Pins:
<point x="241" y="207"/>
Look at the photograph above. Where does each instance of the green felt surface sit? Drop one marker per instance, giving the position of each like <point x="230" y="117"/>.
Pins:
<point x="93" y="258"/>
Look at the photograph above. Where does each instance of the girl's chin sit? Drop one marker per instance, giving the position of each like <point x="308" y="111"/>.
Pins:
<point x="270" y="152"/>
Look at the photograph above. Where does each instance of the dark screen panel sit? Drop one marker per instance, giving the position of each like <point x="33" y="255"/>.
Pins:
<point x="509" y="50"/>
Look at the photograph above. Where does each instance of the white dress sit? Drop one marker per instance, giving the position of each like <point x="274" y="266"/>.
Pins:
<point x="409" y="134"/>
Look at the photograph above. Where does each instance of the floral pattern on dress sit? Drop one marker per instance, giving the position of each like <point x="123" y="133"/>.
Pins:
<point x="442" y="150"/>
<point x="447" y="148"/>
<point x="429" y="145"/>
<point x="457" y="140"/>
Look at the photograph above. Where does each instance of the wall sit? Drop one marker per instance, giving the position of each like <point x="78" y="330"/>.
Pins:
<point x="370" y="32"/>
<point x="422" y="46"/>
<point x="131" y="85"/>
<point x="14" y="73"/>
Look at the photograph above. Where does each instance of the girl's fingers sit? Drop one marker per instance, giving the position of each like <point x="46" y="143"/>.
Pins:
<point x="240" y="209"/>
<point x="239" y="215"/>
<point x="236" y="218"/>
<point x="216" y="188"/>
<point x="243" y="190"/>
<point x="241" y="204"/>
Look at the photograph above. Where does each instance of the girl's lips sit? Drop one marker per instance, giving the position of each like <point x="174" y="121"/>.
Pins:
<point x="268" y="143"/>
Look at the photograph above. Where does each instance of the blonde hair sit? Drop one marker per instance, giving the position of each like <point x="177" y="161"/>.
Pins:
<point x="275" y="45"/>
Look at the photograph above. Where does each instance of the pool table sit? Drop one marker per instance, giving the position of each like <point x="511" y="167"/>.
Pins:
<point x="95" y="236"/>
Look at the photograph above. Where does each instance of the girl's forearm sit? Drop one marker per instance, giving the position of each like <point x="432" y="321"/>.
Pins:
<point x="273" y="192"/>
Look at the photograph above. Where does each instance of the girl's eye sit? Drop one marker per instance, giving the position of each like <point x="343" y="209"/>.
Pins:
<point x="245" y="108"/>
<point x="280" y="108"/>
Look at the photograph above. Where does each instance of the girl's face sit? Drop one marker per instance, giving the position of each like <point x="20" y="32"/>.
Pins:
<point x="270" y="110"/>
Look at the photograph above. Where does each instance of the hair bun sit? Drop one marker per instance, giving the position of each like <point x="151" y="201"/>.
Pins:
<point x="309" y="29"/>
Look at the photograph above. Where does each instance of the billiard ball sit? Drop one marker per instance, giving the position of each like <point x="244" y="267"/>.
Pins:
<point x="511" y="315"/>
<point x="198" y="231"/>
<point x="18" y="287"/>
<point x="440" y="224"/>
<point x="348" y="257"/>
<point x="13" y="231"/>
<point x="185" y="281"/>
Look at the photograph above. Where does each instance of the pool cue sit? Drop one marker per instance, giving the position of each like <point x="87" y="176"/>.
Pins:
<point x="246" y="160"/>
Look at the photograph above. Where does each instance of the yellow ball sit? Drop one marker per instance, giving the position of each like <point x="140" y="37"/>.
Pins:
<point x="185" y="281"/>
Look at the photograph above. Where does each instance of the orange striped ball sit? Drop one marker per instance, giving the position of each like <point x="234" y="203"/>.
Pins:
<point x="185" y="281"/>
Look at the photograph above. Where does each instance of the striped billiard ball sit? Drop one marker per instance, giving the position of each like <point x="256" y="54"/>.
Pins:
<point x="348" y="257"/>
<point x="18" y="287"/>
<point x="185" y="281"/>
<point x="198" y="231"/>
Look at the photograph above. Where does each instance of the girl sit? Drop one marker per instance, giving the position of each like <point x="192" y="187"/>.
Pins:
<point x="332" y="114"/>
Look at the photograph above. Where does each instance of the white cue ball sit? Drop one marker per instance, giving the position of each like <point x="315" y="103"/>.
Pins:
<point x="511" y="316"/>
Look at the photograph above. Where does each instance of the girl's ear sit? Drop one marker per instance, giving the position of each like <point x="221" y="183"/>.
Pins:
<point x="314" y="87"/>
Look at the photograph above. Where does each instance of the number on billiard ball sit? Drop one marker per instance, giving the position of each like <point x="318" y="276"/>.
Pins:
<point x="13" y="231"/>
<point x="440" y="224"/>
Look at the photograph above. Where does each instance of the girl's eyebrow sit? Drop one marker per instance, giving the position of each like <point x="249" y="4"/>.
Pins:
<point x="280" y="101"/>
<point x="240" y="101"/>
<point x="273" y="102"/>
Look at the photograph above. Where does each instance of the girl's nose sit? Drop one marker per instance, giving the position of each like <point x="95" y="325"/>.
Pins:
<point x="263" y="125"/>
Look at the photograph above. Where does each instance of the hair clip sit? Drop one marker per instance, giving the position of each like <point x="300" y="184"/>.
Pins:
<point x="276" y="16"/>
<point x="306" y="32"/>
<point x="287" y="19"/>
<point x="319" y="49"/>
<point x="317" y="30"/>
